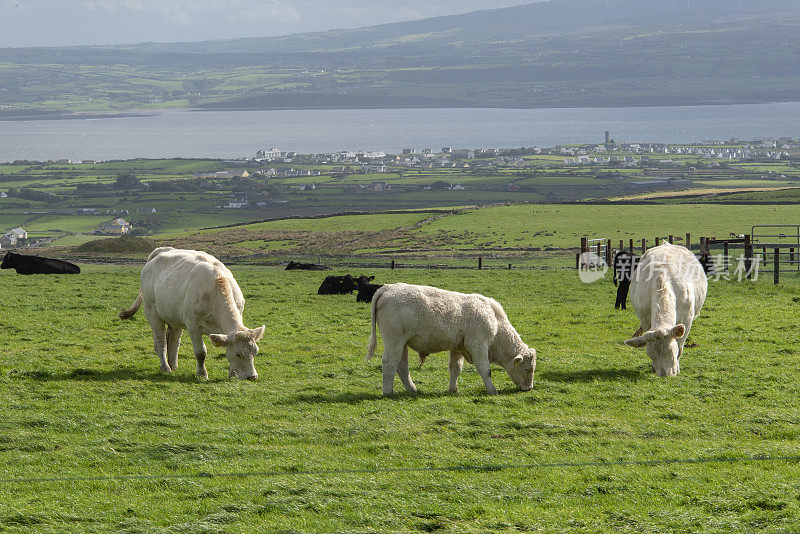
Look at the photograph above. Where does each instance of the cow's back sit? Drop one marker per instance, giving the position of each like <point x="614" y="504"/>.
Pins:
<point x="182" y="284"/>
<point x="678" y="271"/>
<point x="431" y="315"/>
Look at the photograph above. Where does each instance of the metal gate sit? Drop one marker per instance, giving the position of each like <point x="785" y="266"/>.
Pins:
<point x="785" y="237"/>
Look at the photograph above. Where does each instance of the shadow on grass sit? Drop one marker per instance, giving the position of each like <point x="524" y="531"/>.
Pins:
<point x="109" y="375"/>
<point x="357" y="397"/>
<point x="590" y="375"/>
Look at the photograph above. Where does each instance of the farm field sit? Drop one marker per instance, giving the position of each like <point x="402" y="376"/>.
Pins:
<point x="94" y="438"/>
<point x="505" y="229"/>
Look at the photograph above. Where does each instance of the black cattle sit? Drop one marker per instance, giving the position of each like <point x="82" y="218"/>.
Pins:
<point x="707" y="262"/>
<point x="337" y="285"/>
<point x="624" y="266"/>
<point x="37" y="265"/>
<point x="366" y="290"/>
<point x="294" y="265"/>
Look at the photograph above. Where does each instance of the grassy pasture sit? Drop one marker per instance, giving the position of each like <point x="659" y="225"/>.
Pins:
<point x="83" y="398"/>
<point x="504" y="227"/>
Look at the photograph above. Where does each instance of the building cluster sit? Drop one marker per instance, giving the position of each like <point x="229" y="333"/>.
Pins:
<point x="14" y="238"/>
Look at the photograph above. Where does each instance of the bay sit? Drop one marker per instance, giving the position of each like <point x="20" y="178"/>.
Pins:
<point x="233" y="134"/>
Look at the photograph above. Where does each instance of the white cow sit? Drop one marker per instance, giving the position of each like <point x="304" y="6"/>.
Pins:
<point x="192" y="290"/>
<point x="667" y="291"/>
<point x="430" y="320"/>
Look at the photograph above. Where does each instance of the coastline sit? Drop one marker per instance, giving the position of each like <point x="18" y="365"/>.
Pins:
<point x="46" y="115"/>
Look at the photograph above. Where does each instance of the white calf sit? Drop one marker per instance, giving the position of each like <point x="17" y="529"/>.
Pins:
<point x="667" y="292"/>
<point x="187" y="289"/>
<point x="430" y="320"/>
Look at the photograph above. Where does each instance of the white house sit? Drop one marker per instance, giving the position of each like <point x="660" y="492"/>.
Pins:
<point x="115" y="227"/>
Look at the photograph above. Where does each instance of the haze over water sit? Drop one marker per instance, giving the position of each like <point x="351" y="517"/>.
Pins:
<point x="232" y="134"/>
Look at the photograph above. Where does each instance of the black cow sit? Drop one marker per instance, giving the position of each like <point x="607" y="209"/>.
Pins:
<point x="337" y="285"/>
<point x="366" y="290"/>
<point x="624" y="266"/>
<point x="294" y="265"/>
<point x="707" y="262"/>
<point x="37" y="265"/>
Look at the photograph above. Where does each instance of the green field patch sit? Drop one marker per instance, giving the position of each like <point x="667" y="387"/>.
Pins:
<point x="317" y="447"/>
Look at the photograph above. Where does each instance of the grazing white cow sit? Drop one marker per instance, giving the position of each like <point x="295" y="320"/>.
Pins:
<point x="191" y="290"/>
<point x="667" y="292"/>
<point x="431" y="320"/>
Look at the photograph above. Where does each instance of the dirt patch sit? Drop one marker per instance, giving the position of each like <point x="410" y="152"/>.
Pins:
<point x="119" y="245"/>
<point x="698" y="192"/>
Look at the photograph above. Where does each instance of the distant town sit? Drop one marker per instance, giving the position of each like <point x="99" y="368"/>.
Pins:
<point x="64" y="201"/>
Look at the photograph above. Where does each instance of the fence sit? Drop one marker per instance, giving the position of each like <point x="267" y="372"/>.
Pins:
<point x="736" y="247"/>
<point x="777" y="244"/>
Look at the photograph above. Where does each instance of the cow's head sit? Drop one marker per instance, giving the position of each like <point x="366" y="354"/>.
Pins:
<point x="349" y="283"/>
<point x="662" y="347"/>
<point x="521" y="369"/>
<point x="364" y="280"/>
<point x="240" y="349"/>
<point x="8" y="261"/>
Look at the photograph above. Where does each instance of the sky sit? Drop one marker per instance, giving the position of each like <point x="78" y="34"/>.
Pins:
<point x="77" y="22"/>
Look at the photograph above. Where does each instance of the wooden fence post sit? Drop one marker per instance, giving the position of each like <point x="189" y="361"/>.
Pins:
<point x="725" y="260"/>
<point x="689" y="241"/>
<point x="621" y="243"/>
<point x="577" y="260"/>
<point x="658" y="241"/>
<point x="608" y="252"/>
<point x="631" y="243"/>
<point x="392" y="264"/>
<point x="644" y="245"/>
<point x="748" y="255"/>
<point x="670" y="239"/>
<point x="509" y="266"/>
<point x="584" y="249"/>
<point x="777" y="266"/>
<point x="480" y="263"/>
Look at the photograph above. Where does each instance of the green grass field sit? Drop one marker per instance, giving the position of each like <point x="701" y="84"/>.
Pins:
<point x="492" y="229"/>
<point x="95" y="439"/>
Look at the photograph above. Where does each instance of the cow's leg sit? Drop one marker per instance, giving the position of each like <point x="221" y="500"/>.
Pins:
<point x="159" y="339"/>
<point x="456" y="365"/>
<point x="402" y="372"/>
<point x="199" y="351"/>
<point x="480" y="358"/>
<point x="173" y="344"/>
<point x="389" y="363"/>
<point x="622" y="294"/>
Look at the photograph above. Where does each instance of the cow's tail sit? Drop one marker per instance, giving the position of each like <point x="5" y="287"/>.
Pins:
<point x="130" y="312"/>
<point x="373" y="337"/>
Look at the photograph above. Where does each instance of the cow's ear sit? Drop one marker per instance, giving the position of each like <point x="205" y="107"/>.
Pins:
<point x="219" y="340"/>
<point x="258" y="333"/>
<point x="637" y="342"/>
<point x="371" y="278"/>
<point x="678" y="330"/>
<point x="518" y="359"/>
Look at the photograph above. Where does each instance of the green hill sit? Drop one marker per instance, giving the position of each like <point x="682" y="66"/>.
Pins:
<point x="561" y="53"/>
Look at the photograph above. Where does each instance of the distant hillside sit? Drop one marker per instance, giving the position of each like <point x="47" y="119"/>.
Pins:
<point x="561" y="53"/>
